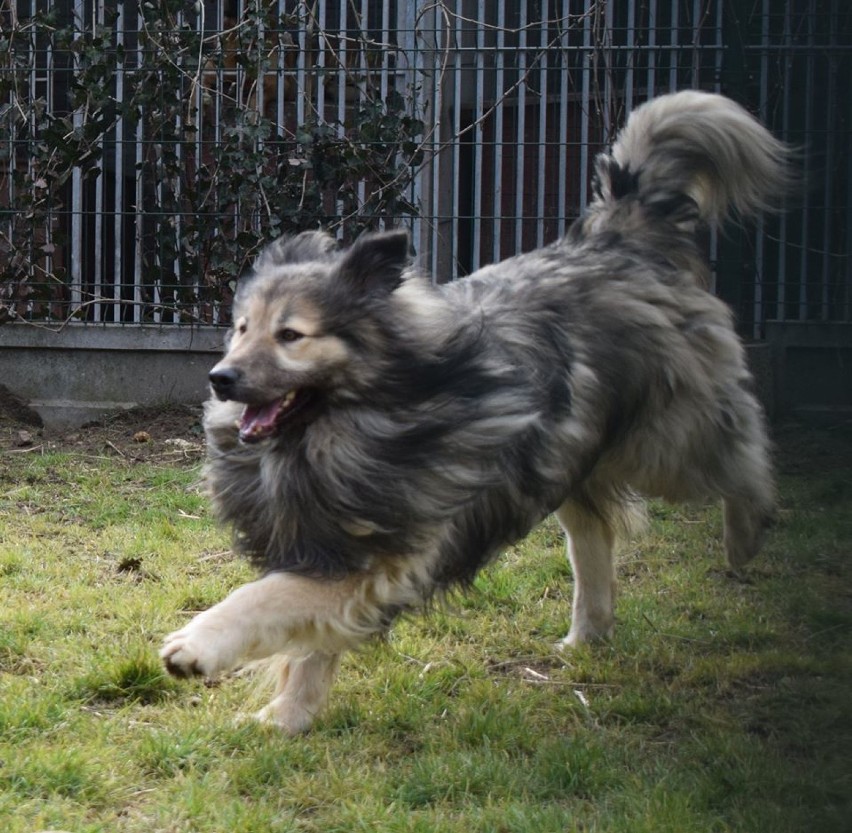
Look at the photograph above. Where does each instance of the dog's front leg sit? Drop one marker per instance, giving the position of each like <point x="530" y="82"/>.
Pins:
<point x="302" y="691"/>
<point x="278" y="613"/>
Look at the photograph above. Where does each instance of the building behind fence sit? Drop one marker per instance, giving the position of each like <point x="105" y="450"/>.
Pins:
<point x="148" y="150"/>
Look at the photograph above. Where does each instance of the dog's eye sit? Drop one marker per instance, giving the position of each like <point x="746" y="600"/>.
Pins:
<point x="242" y="326"/>
<point x="289" y="335"/>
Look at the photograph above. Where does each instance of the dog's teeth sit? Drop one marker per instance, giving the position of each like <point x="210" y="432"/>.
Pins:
<point x="289" y="397"/>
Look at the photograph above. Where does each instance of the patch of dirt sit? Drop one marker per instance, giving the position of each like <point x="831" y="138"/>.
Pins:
<point x="14" y="410"/>
<point x="166" y="433"/>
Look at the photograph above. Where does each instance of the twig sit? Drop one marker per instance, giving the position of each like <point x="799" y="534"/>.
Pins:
<point x="116" y="449"/>
<point x="25" y="450"/>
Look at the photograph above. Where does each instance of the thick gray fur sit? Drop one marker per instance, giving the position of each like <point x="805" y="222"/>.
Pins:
<point x="424" y="428"/>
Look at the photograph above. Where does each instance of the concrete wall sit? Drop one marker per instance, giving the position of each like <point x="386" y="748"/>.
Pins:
<point x="811" y="367"/>
<point x="78" y="373"/>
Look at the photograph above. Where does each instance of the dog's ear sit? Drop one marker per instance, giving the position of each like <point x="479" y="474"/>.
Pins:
<point x="303" y="248"/>
<point x="376" y="261"/>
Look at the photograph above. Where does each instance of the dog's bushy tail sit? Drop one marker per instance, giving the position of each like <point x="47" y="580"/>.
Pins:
<point x="701" y="146"/>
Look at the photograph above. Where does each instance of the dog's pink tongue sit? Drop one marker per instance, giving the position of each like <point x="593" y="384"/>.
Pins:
<point x="258" y="421"/>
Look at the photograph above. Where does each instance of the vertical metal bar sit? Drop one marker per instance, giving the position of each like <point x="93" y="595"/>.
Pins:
<point x="757" y="310"/>
<point x="521" y="127"/>
<point x="196" y="114"/>
<point x="719" y="47"/>
<point x="118" y="215"/>
<point x="410" y="54"/>
<point x="157" y="276"/>
<point x="674" y="36"/>
<point x="809" y="88"/>
<point x="77" y="185"/>
<point x="845" y="313"/>
<point x="478" y="110"/>
<point x="457" y="100"/>
<point x="500" y="105"/>
<point x="219" y="84"/>
<point x="631" y="55"/>
<point x="139" y="196"/>
<point x="787" y="56"/>
<point x="828" y="192"/>
<point x="179" y="156"/>
<point x="262" y="52"/>
<point x="281" y="47"/>
<point x="696" y="43"/>
<point x="50" y="95"/>
<point x="259" y="112"/>
<point x="304" y="44"/>
<point x="719" y="52"/>
<point x="322" y="48"/>
<point x="385" y="50"/>
<point x="564" y="83"/>
<point x="586" y="105"/>
<point x="607" y="56"/>
<point x="365" y="70"/>
<point x="241" y="90"/>
<point x="341" y="63"/>
<point x="343" y="67"/>
<point x="99" y="216"/>
<point x="542" y="126"/>
<point x="441" y="42"/>
<point x="32" y="84"/>
<point x="652" y="47"/>
<point x="10" y="140"/>
<point x="50" y="75"/>
<point x="385" y="74"/>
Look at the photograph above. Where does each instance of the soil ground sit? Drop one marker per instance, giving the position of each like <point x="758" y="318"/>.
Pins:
<point x="139" y="434"/>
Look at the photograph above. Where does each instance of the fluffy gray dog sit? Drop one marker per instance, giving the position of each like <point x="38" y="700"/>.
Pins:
<point x="375" y="439"/>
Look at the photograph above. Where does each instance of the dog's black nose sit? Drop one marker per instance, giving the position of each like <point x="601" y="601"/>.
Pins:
<point x="224" y="380"/>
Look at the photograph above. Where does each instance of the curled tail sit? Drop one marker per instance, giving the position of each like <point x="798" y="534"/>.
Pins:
<point x="699" y="146"/>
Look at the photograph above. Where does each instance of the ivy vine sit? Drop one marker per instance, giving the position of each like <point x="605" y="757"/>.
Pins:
<point x="218" y="176"/>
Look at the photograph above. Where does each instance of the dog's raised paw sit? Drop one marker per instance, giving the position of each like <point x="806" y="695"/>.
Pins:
<point x="183" y="656"/>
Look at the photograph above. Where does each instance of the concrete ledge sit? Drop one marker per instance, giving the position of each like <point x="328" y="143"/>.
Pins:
<point x="812" y="367"/>
<point x="81" y="372"/>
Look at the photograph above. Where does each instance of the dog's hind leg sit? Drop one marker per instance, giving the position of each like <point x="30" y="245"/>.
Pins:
<point x="748" y="493"/>
<point x="748" y="508"/>
<point x="591" y="539"/>
<point x="745" y="524"/>
<point x="301" y="692"/>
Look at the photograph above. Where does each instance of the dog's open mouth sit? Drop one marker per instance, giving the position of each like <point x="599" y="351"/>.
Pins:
<point x="258" y="422"/>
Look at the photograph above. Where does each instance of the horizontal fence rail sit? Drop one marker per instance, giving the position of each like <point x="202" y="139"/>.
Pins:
<point x="149" y="150"/>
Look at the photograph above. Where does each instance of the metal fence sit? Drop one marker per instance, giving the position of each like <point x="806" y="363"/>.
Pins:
<point x="147" y="151"/>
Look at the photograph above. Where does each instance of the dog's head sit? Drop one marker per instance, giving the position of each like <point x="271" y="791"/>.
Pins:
<point x="303" y="319"/>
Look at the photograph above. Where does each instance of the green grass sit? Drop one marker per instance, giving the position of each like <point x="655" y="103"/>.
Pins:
<point x="722" y="703"/>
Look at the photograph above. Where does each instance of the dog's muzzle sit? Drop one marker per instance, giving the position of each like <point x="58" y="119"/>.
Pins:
<point x="224" y="381"/>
